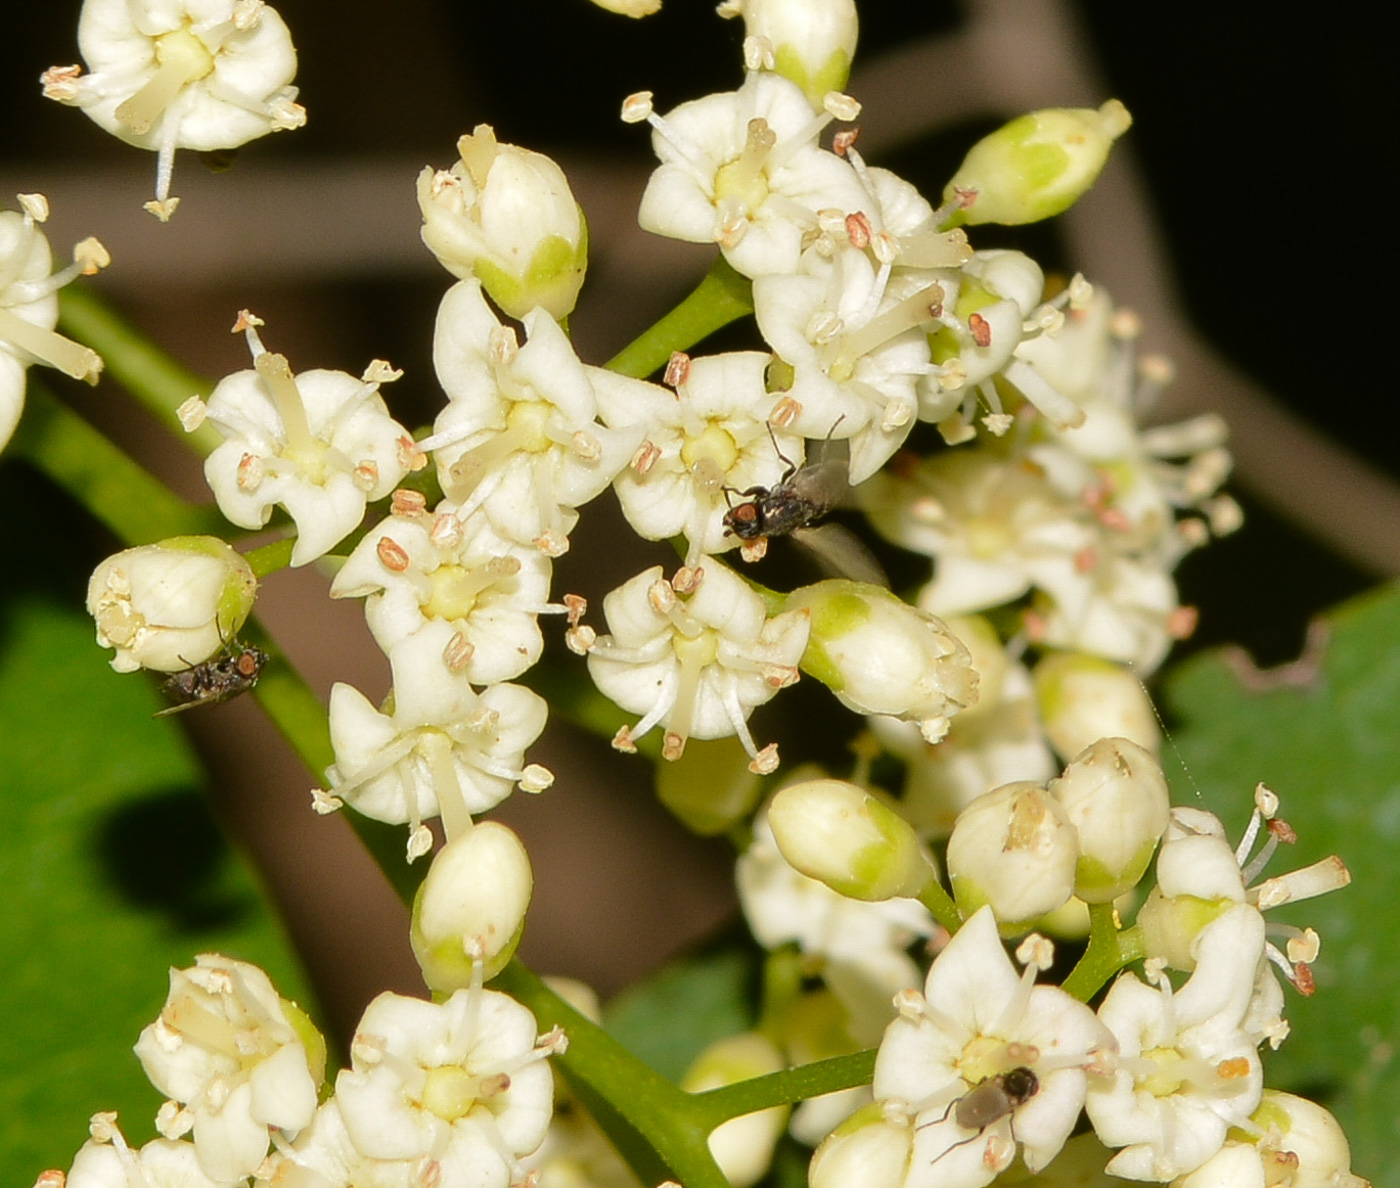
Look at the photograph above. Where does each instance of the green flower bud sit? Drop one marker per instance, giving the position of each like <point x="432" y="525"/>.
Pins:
<point x="842" y="836"/>
<point x="1015" y="849"/>
<point x="1085" y="698"/>
<point x="880" y="655"/>
<point x="472" y="904"/>
<point x="710" y="786"/>
<point x="813" y="41"/>
<point x="743" y="1146"/>
<point x="1037" y="165"/>
<point x="506" y="216"/>
<point x="171" y="605"/>
<point x="1116" y="795"/>
<point x="1170" y="925"/>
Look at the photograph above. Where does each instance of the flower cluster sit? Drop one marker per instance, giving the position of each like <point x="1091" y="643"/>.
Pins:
<point x="455" y="1091"/>
<point x="1005" y="782"/>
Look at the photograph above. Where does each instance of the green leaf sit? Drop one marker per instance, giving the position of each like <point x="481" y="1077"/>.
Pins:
<point x="1331" y="749"/>
<point x="113" y="871"/>
<point x="668" y="1019"/>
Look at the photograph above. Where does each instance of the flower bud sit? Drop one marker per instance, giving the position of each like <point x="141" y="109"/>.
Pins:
<point x="1016" y="849"/>
<point x="813" y="40"/>
<point x="171" y="605"/>
<point x="1084" y="698"/>
<point x="472" y="902"/>
<point x="1116" y="796"/>
<point x="1037" y="165"/>
<point x="1298" y="1129"/>
<point x="842" y="836"/>
<point x="1198" y="879"/>
<point x="710" y="787"/>
<point x="865" y="1151"/>
<point x="880" y="655"/>
<point x="506" y="216"/>
<point x="743" y="1146"/>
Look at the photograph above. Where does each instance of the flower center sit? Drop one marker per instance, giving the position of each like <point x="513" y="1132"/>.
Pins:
<point x="1170" y="1072"/>
<point x="743" y="179"/>
<point x="984" y="1056"/>
<point x="449" y="1092"/>
<point x="697" y="653"/>
<point x="455" y="589"/>
<point x="527" y="425"/>
<point x="181" y="58"/>
<point x="713" y="446"/>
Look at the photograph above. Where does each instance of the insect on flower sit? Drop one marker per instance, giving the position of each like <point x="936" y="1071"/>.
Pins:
<point x="229" y="674"/>
<point x="988" y="1102"/>
<point x="803" y="494"/>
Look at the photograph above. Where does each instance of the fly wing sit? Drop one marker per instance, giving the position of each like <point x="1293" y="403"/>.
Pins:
<point x="825" y="478"/>
<point x="839" y="553"/>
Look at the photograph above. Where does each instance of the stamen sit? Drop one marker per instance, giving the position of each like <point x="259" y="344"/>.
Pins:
<point x="48" y="347"/>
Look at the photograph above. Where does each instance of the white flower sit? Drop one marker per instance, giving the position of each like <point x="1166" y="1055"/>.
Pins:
<point x="856" y="350"/>
<point x="29" y="306"/>
<point x="171" y="605"/>
<point x="518" y="437"/>
<point x="861" y="946"/>
<point x="321" y="444"/>
<point x="977" y="1022"/>
<point x="105" y="1161"/>
<point x="506" y="215"/>
<point x="696" y="655"/>
<point x="743" y="169"/>
<point x="172" y="74"/>
<point x="443" y="748"/>
<point x="239" y="1059"/>
<point x="452" y="579"/>
<point x="324" y="1157"/>
<point x="1188" y="1070"/>
<point x="708" y="436"/>
<point x="461" y="1082"/>
<point x="1084" y="698"/>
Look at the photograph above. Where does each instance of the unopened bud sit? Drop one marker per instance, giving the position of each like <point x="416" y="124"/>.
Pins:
<point x="170" y="605"/>
<point x="866" y="1149"/>
<point x="1015" y="849"/>
<point x="506" y="216"/>
<point x="1037" y="165"/>
<point x="476" y="893"/>
<point x="813" y="41"/>
<point x="1085" y="698"/>
<point x="842" y="836"/>
<point x="880" y="655"/>
<point x="1116" y="796"/>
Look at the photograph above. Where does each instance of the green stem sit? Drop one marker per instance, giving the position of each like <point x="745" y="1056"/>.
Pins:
<point x="269" y="558"/>
<point x="941" y="906"/>
<point x="134" y="504"/>
<point x="786" y="1087"/>
<point x="148" y="373"/>
<point x="1109" y="951"/>
<point x="716" y="301"/>
<point x="657" y="1126"/>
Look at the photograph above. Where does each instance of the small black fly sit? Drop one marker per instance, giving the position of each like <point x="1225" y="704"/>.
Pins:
<point x="229" y="674"/>
<point x="988" y="1102"/>
<point x="803" y="494"/>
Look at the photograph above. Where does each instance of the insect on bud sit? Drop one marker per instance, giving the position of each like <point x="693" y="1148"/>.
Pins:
<point x="172" y="605"/>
